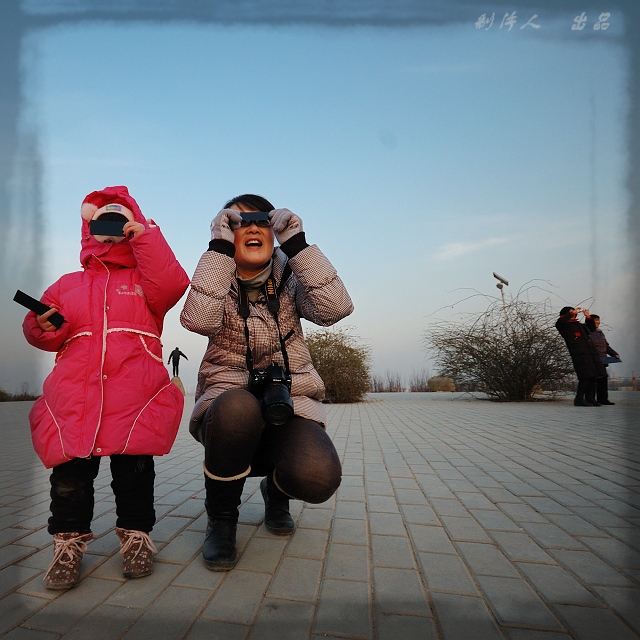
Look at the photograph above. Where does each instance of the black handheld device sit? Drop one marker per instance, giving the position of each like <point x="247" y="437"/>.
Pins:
<point x="37" y="307"/>
<point x="107" y="227"/>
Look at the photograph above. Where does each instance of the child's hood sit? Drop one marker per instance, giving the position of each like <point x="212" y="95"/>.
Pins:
<point x="120" y="253"/>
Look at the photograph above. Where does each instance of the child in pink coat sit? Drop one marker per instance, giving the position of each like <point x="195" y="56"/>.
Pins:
<point x="109" y="393"/>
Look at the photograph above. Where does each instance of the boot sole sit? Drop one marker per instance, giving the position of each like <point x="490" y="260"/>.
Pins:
<point x="60" y="587"/>
<point x="280" y="532"/>
<point x="143" y="574"/>
<point x="220" y="566"/>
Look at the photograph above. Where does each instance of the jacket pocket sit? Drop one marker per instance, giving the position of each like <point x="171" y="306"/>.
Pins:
<point x="46" y="435"/>
<point x="156" y="426"/>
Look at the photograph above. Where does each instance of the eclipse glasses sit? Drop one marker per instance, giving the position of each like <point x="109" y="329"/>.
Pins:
<point x="261" y="218"/>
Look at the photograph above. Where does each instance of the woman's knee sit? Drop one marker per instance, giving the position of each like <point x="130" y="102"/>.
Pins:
<point x="308" y="467"/>
<point x="235" y="406"/>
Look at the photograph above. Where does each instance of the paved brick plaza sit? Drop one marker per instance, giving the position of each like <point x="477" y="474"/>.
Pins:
<point x="457" y="519"/>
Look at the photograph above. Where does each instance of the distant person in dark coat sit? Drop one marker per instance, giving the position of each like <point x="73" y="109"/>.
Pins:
<point x="175" y="356"/>
<point x="584" y="355"/>
<point x="604" y="349"/>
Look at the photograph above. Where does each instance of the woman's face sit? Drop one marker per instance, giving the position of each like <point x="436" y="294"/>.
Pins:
<point x="254" y="246"/>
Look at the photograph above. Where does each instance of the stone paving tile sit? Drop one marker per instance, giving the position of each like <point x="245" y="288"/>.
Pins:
<point x="296" y="579"/>
<point x="15" y="608"/>
<point x="282" y="620"/>
<point x="464" y="528"/>
<point x="586" y="623"/>
<point x="30" y="634"/>
<point x="428" y="538"/>
<point x="624" y="602"/>
<point x="520" y="547"/>
<point x="349" y="531"/>
<point x="209" y="629"/>
<point x="393" y="627"/>
<point x="170" y="616"/>
<point x="63" y="612"/>
<point x="14" y="576"/>
<point x="550" y="536"/>
<point x="347" y="562"/>
<point x="196" y="575"/>
<point x="238" y="597"/>
<point x="344" y="608"/>
<point x="456" y="614"/>
<point x="105" y="622"/>
<point x="589" y="568"/>
<point x="446" y="573"/>
<point x="143" y="591"/>
<point x="516" y="603"/>
<point x="262" y="554"/>
<point x="391" y="551"/>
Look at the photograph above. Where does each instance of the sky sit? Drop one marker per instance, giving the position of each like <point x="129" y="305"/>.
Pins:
<point x="420" y="160"/>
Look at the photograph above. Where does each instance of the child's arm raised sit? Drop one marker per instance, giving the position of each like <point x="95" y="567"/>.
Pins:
<point x="163" y="279"/>
<point x="37" y="329"/>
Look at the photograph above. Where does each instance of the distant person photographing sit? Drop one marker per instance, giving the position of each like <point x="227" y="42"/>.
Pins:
<point x="583" y="352"/>
<point x="175" y="357"/>
<point x="604" y="349"/>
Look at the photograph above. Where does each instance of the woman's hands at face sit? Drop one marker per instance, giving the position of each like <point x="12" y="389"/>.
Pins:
<point x="285" y="224"/>
<point x="222" y="225"/>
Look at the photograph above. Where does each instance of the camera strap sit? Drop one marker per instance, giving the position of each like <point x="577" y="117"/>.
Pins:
<point x="273" y="306"/>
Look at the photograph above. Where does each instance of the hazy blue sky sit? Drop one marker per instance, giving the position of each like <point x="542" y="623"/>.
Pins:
<point x="419" y="159"/>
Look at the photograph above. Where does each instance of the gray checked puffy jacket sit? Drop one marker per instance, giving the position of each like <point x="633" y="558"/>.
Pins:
<point x="313" y="291"/>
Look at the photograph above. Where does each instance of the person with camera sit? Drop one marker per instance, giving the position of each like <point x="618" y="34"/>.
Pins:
<point x="258" y="409"/>
<point x="583" y="352"/>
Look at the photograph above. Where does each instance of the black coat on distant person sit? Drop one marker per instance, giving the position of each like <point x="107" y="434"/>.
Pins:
<point x="586" y="360"/>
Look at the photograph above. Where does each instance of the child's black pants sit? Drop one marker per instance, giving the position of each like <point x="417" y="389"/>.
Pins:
<point x="72" y="498"/>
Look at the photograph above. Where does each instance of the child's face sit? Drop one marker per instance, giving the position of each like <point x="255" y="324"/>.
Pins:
<point x="109" y="223"/>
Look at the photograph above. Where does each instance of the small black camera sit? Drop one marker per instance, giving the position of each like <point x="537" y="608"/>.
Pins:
<point x="272" y="387"/>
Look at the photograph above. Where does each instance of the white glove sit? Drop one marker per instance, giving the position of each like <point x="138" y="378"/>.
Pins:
<point x="222" y="224"/>
<point x="285" y="224"/>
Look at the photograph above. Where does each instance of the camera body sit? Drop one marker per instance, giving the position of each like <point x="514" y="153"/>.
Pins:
<point x="272" y="386"/>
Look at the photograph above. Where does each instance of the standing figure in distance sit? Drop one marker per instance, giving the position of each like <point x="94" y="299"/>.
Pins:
<point x="583" y="352"/>
<point x="604" y="349"/>
<point x="259" y="408"/>
<point x="175" y="357"/>
<point x="109" y="393"/>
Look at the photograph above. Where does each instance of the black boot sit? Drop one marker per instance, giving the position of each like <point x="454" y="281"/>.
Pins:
<point x="590" y="393"/>
<point x="222" y="500"/>
<point x="277" y="518"/>
<point x="579" y="399"/>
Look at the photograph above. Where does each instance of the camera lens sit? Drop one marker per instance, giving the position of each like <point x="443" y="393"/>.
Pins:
<point x="278" y="413"/>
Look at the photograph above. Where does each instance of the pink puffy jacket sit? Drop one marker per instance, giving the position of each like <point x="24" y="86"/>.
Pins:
<point x="109" y="391"/>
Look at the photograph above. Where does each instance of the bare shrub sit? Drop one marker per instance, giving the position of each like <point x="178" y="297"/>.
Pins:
<point x="23" y="395"/>
<point x="419" y="381"/>
<point x="441" y="383"/>
<point x="508" y="351"/>
<point x="390" y="383"/>
<point x="343" y="363"/>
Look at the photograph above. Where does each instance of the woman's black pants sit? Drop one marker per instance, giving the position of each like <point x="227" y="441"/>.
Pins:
<point x="72" y="495"/>
<point x="299" y="454"/>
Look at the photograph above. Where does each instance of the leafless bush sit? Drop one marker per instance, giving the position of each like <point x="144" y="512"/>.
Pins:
<point x="507" y="351"/>
<point x="419" y="381"/>
<point x="390" y="383"/>
<point x="343" y="363"/>
<point x="22" y="395"/>
<point x="441" y="383"/>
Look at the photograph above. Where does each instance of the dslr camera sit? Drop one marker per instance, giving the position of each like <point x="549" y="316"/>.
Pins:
<point x="272" y="387"/>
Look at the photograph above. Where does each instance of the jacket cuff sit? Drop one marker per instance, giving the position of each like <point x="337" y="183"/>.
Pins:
<point x="222" y="246"/>
<point x="294" y="245"/>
